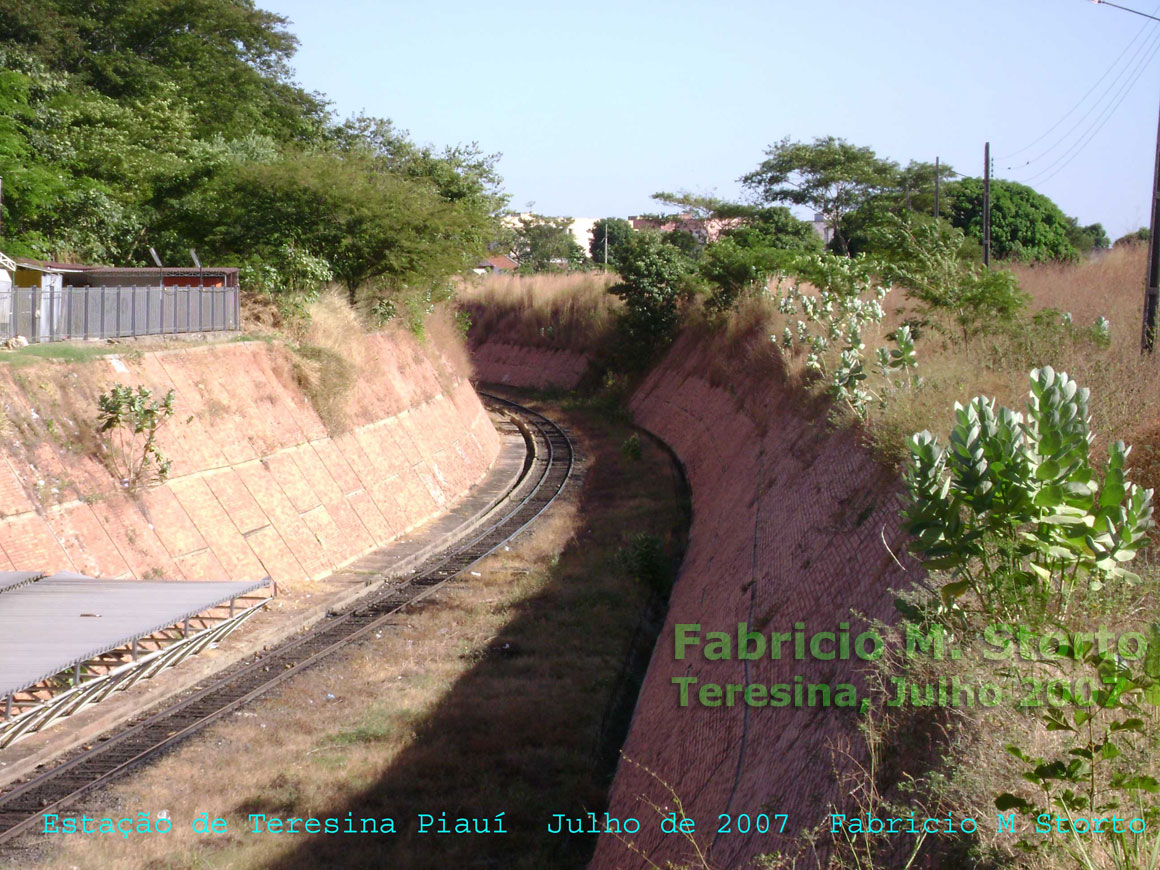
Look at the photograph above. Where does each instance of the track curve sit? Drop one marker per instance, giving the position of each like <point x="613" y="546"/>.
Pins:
<point x="547" y="470"/>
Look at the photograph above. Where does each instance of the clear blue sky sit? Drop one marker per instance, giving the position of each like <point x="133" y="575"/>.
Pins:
<point x="597" y="105"/>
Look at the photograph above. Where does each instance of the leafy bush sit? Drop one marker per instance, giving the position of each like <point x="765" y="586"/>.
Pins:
<point x="1013" y="510"/>
<point x="652" y="283"/>
<point x="130" y="419"/>
<point x="927" y="257"/>
<point x="834" y="320"/>
<point x="734" y="268"/>
<point x="645" y="560"/>
<point x="1012" y="507"/>
<point x="630" y="448"/>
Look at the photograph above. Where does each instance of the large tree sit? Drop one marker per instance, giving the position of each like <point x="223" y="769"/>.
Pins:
<point x="829" y="175"/>
<point x="545" y="244"/>
<point x="364" y="223"/>
<point x="174" y="124"/>
<point x="1025" y="224"/>
<point x="615" y="231"/>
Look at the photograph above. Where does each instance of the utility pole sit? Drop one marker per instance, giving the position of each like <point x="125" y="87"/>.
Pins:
<point x="987" y="205"/>
<point x="936" y="174"/>
<point x="1152" y="293"/>
<point x="1152" y="288"/>
<point x="606" y="242"/>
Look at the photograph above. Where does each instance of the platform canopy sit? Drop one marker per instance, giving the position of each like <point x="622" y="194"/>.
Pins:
<point x="50" y="624"/>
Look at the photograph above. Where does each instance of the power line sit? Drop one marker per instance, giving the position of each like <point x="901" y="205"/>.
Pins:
<point x="1126" y="9"/>
<point x="1052" y="169"/>
<point x="1081" y="100"/>
<point x="1102" y="103"/>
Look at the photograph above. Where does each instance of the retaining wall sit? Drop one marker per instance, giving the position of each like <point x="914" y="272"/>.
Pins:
<point x="258" y="485"/>
<point x="498" y="362"/>
<point x="791" y="520"/>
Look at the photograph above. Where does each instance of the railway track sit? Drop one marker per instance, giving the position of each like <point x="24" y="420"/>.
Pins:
<point x="546" y="471"/>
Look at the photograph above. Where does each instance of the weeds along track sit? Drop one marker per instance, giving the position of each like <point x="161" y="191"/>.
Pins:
<point x="547" y="469"/>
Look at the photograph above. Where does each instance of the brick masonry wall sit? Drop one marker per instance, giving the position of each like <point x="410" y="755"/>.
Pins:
<point x="498" y="362"/>
<point x="789" y="523"/>
<point x="258" y="486"/>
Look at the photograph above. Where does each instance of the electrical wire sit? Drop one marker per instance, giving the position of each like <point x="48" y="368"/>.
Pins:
<point x="1096" y="84"/>
<point x="1109" y="95"/>
<point x="1086" y="137"/>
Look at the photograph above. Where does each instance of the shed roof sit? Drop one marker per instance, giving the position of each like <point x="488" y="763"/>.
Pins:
<point x="49" y="625"/>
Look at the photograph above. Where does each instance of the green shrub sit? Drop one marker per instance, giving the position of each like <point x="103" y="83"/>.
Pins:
<point x="129" y="419"/>
<point x="631" y="448"/>
<point x="929" y="258"/>
<point x="644" y="559"/>
<point x="1012" y="507"/>
<point x="652" y="275"/>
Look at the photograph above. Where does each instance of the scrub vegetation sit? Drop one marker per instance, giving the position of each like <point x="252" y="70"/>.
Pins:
<point x="1030" y="511"/>
<point x="179" y="126"/>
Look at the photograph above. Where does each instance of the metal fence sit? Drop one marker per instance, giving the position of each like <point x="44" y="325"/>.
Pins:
<point x="63" y="313"/>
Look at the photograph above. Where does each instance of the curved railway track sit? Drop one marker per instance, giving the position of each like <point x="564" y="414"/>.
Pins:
<point x="546" y="471"/>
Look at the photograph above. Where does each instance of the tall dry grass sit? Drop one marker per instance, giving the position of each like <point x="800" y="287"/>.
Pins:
<point x="576" y="312"/>
<point x="1125" y="386"/>
<point x="326" y="362"/>
<point x="566" y="311"/>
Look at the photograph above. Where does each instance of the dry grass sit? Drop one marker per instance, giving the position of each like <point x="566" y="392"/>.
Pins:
<point x="489" y="697"/>
<point x="444" y="334"/>
<point x="568" y="311"/>
<point x="575" y="312"/>
<point x="329" y="357"/>
<point x="1125" y="387"/>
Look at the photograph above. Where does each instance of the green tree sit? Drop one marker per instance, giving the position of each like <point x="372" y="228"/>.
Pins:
<point x="1025" y="224"/>
<point x="773" y="227"/>
<point x="617" y="231"/>
<point x="231" y="58"/>
<point x="1093" y="237"/>
<point x="933" y="261"/>
<point x="685" y="241"/>
<point x="732" y="268"/>
<point x="545" y="244"/>
<point x="653" y="274"/>
<point x="829" y="175"/>
<point x="366" y="224"/>
<point x="747" y="224"/>
<point x="125" y="125"/>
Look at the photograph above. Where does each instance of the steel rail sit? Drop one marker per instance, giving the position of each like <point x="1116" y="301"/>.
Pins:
<point x="546" y="472"/>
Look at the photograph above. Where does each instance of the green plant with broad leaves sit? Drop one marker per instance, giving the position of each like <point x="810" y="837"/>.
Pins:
<point x="1012" y="517"/>
<point x="129" y="419"/>
<point x="833" y="320"/>
<point x="1011" y="507"/>
<point x="1095" y="773"/>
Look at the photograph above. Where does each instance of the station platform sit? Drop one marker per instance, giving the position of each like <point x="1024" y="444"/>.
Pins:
<point x="67" y="640"/>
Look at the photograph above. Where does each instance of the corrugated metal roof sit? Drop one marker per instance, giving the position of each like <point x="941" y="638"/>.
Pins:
<point x="49" y="625"/>
<point x="12" y="579"/>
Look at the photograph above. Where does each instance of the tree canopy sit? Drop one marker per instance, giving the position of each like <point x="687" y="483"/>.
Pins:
<point x="1025" y="224"/>
<point x="616" y="230"/>
<point x="545" y="244"/>
<point x="829" y="175"/>
<point x="177" y="125"/>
